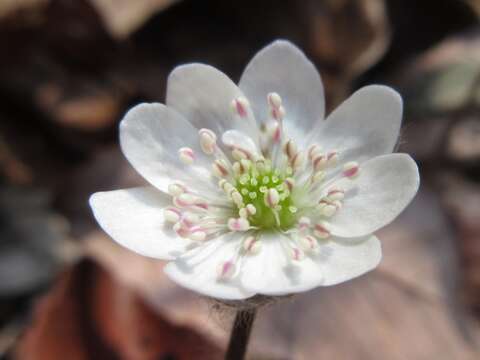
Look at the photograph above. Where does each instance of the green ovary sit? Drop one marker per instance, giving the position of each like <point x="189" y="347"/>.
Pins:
<point x="253" y="186"/>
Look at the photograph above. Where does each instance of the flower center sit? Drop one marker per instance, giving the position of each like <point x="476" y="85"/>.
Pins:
<point x="267" y="183"/>
<point x="267" y="191"/>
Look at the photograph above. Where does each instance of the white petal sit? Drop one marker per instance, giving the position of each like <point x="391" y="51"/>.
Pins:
<point x="134" y="219"/>
<point x="198" y="269"/>
<point x="340" y="260"/>
<point x="385" y="186"/>
<point x="363" y="126"/>
<point x="271" y="272"/>
<point x="150" y="137"/>
<point x="204" y="95"/>
<point x="282" y="68"/>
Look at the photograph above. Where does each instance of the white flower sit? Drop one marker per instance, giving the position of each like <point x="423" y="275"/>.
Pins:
<point x="252" y="191"/>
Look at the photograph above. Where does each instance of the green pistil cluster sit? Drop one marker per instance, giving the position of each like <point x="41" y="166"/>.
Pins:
<point x="253" y="186"/>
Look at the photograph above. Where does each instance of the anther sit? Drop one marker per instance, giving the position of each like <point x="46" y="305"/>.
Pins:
<point x="296" y="254"/>
<point x="187" y="156"/>
<point x="271" y="198"/>
<point x="290" y="183"/>
<point x="237" y="169"/>
<point x="274" y="100"/>
<point x="226" y="186"/>
<point x="351" y="170"/>
<point x="238" y="154"/>
<point x="189" y="219"/>
<point x="171" y="214"/>
<point x="319" y="162"/>
<point x="304" y="223"/>
<point x="246" y="164"/>
<point x="252" y="245"/>
<point x="326" y="208"/>
<point x="307" y="243"/>
<point x="332" y="158"/>
<point x="181" y="230"/>
<point x="290" y="149"/>
<point x="208" y="140"/>
<point x="297" y="160"/>
<point x="240" y="106"/>
<point x="226" y="270"/>
<point x="220" y="168"/>
<point x="183" y="200"/>
<point x="335" y="193"/>
<point x="277" y="113"/>
<point x="313" y="150"/>
<point x="236" y="197"/>
<point x="238" y="224"/>
<point x="197" y="234"/>
<point x="251" y="209"/>
<point x="321" y="230"/>
<point x="176" y="189"/>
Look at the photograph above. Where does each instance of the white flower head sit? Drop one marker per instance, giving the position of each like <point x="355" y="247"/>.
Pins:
<point x="252" y="191"/>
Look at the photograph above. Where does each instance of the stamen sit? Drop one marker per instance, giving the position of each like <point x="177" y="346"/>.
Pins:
<point x="290" y="149"/>
<point x="187" y="156"/>
<point x="197" y="233"/>
<point x="239" y="154"/>
<point x="220" y="168"/>
<point x="322" y="230"/>
<point x="271" y="198"/>
<point x="251" y="209"/>
<point x="296" y="254"/>
<point x="240" y="106"/>
<point x="176" y="189"/>
<point x="226" y="270"/>
<point x="277" y="113"/>
<point x="274" y="132"/>
<point x="225" y="186"/>
<point x="208" y="141"/>
<point x="351" y="170"/>
<point x="290" y="183"/>
<point x="237" y="197"/>
<point x="319" y="162"/>
<point x="189" y="219"/>
<point x="326" y="208"/>
<point x="183" y="200"/>
<point x="297" y="160"/>
<point x="335" y="193"/>
<point x="237" y="169"/>
<point x="332" y="158"/>
<point x="252" y="245"/>
<point x="313" y="150"/>
<point x="304" y="223"/>
<point x="172" y="214"/>
<point x="238" y="224"/>
<point x="181" y="230"/>
<point x="307" y="243"/>
<point x="274" y="100"/>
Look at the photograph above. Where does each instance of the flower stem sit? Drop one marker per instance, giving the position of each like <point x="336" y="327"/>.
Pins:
<point x="242" y="326"/>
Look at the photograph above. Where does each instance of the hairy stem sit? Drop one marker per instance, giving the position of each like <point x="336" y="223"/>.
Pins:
<point x="242" y="326"/>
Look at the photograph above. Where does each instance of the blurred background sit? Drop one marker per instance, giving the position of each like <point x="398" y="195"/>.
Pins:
<point x="69" y="69"/>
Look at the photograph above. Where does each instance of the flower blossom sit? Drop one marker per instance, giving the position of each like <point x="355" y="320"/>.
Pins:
<point x="252" y="191"/>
